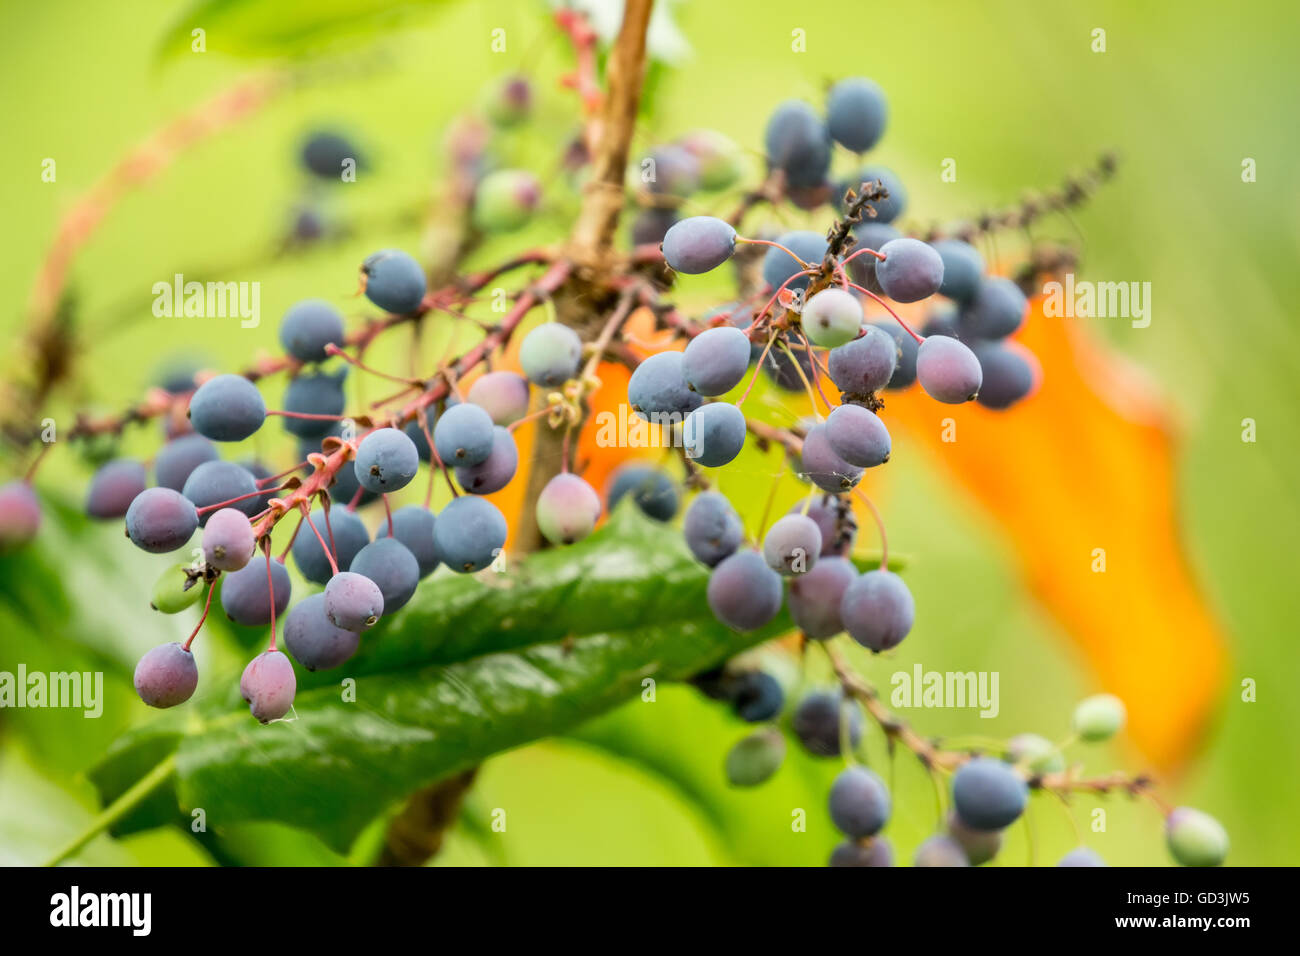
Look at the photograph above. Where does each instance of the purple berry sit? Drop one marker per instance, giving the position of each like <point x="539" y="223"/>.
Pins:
<point x="245" y="597"/>
<point x="792" y="544"/>
<point x="228" y="541"/>
<point x="353" y="601"/>
<point x="160" y="520"/>
<point x="825" y="469"/>
<point x="390" y="565"/>
<point x="911" y="270"/>
<point x="744" y="593"/>
<point x="652" y="489"/>
<point x="948" y="370"/>
<point x="314" y="641"/>
<point x="817" y="719"/>
<point x="858" y="436"/>
<point x="268" y="685"/>
<point x="503" y="395"/>
<point x="798" y="143"/>
<point x="495" y="471"/>
<point x="699" y="244"/>
<point x="877" y="610"/>
<point x="874" y="852"/>
<point x="815" y="596"/>
<point x="349" y="535"/>
<point x="778" y="266"/>
<point x="865" y="365"/>
<point x="166" y="676"/>
<point x="178" y="458"/>
<point x="997" y="310"/>
<point x="1008" y="373"/>
<point x="413" y="526"/>
<point x="114" y="487"/>
<point x="940" y="850"/>
<point x="712" y="528"/>
<point x="214" y="482"/>
<point x="859" y="802"/>
<point x="962" y="268"/>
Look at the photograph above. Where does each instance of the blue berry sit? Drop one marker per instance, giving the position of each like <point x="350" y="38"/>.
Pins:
<point x="835" y="519"/>
<point x="1007" y="372"/>
<point x="817" y="719"/>
<point x="962" y="268"/>
<point x="390" y="565"/>
<point x="865" y="365"/>
<point x="650" y="227"/>
<point x="353" y="601"/>
<point x="744" y="593"/>
<point x="394" y="281"/>
<point x="318" y="393"/>
<point x="349" y="535"/>
<point x="699" y="244"/>
<point x="905" y="365"/>
<point x="878" y="610"/>
<point x="756" y="696"/>
<point x="324" y="152"/>
<point x="948" y="370"/>
<point x="940" y="850"/>
<point x="227" y="408"/>
<point x="464" y="435"/>
<point x="858" y="436"/>
<point x="387" y="460"/>
<point x="874" y="852"/>
<point x="245" y="597"/>
<point x="567" y="509"/>
<point x="819" y="464"/>
<point x="651" y="489"/>
<point x="798" y="143"/>
<point x="856" y="111"/>
<point x="160" y="520"/>
<point x="779" y="266"/>
<point x="997" y="310"/>
<point x="712" y="528"/>
<point x="911" y="270"/>
<point x="783" y="370"/>
<point x="980" y="846"/>
<point x="314" y="641"/>
<point x="815" y="596"/>
<point x="413" y="526"/>
<point x="714" y="434"/>
<point x="113" y="488"/>
<point x="495" y="471"/>
<point x="228" y="541"/>
<point x="268" y="685"/>
<point x="178" y="458"/>
<point x="166" y="676"/>
<point x="987" y="794"/>
<point x="674" y="172"/>
<point x="792" y="545"/>
<point x="308" y="327"/>
<point x="859" y="802"/>
<point x="216" y="481"/>
<point x="715" y="361"/>
<point x="832" y="317"/>
<point x="415" y="432"/>
<point x="469" y="534"/>
<point x="657" y="390"/>
<point x="550" y="354"/>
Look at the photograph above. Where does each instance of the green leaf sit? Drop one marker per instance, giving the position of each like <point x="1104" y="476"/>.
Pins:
<point x="472" y="667"/>
<point x="255" y="28"/>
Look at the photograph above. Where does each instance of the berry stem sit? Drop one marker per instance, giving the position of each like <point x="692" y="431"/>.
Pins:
<point x="252" y="494"/>
<point x="775" y="245"/>
<point x="270" y="586"/>
<point x="906" y="327"/>
<point x="329" y="553"/>
<point x="388" y="513"/>
<point x="758" y="367"/>
<point x="203" y="617"/>
<point x="332" y="349"/>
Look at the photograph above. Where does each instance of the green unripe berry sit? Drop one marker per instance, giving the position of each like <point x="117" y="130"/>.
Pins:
<point x="1036" y="754"/>
<point x="1195" y="838"/>
<point x="720" y="160"/>
<point x="509" y="101"/>
<point x="1099" y="717"/>
<point x="755" y="758"/>
<point x="505" y="200"/>
<point x="175" y="590"/>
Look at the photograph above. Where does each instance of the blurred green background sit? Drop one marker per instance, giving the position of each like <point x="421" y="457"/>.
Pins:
<point x="1013" y="91"/>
